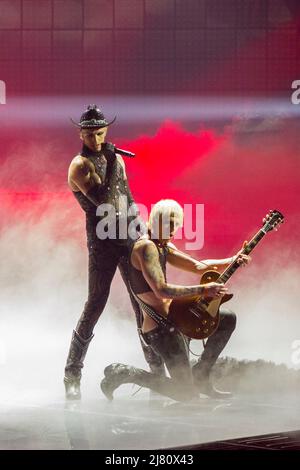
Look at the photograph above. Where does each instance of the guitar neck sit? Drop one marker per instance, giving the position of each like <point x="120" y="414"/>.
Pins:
<point x="226" y="275"/>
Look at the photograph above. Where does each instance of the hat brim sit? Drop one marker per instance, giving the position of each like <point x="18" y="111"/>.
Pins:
<point x="93" y="125"/>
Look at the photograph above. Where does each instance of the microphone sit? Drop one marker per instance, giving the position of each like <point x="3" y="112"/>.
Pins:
<point x="113" y="148"/>
<point x="126" y="153"/>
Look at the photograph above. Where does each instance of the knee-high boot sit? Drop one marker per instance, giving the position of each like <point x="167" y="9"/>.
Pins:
<point x="118" y="374"/>
<point x="74" y="364"/>
<point x="214" y="346"/>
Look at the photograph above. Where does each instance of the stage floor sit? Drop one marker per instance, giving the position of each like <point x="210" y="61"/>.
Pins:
<point x="141" y="421"/>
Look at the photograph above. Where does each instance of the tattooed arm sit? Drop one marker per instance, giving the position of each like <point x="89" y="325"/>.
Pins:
<point x="185" y="262"/>
<point x="153" y="274"/>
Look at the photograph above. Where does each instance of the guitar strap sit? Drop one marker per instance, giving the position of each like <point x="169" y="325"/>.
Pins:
<point x="157" y="317"/>
<point x="160" y="320"/>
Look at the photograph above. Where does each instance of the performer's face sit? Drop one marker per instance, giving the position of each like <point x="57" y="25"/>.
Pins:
<point x="167" y="226"/>
<point x="93" y="138"/>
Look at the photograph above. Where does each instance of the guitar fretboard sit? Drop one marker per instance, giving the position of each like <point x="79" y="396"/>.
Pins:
<point x="234" y="265"/>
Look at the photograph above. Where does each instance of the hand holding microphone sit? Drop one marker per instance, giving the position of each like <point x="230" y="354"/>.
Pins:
<point x="112" y="148"/>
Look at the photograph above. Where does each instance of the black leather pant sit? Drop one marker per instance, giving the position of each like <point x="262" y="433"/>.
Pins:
<point x="173" y="348"/>
<point x="215" y="344"/>
<point x="104" y="258"/>
<point x="173" y="351"/>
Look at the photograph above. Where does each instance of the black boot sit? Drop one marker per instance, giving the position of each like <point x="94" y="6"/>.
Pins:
<point x="77" y="353"/>
<point x="213" y="348"/>
<point x="201" y="372"/>
<point x="114" y="376"/>
<point x="72" y="388"/>
<point x="155" y="362"/>
<point x="118" y="374"/>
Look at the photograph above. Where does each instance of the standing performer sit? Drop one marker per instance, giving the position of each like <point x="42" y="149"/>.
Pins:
<point x="96" y="176"/>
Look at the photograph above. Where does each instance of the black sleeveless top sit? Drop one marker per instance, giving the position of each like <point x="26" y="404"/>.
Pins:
<point x="137" y="281"/>
<point x="110" y="170"/>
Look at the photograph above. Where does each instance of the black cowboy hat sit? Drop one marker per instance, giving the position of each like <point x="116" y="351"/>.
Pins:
<point x="92" y="118"/>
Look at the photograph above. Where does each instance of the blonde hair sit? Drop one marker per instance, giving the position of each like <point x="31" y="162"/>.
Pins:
<point x="165" y="207"/>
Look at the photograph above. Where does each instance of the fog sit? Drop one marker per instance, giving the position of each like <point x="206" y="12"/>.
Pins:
<point x="44" y="287"/>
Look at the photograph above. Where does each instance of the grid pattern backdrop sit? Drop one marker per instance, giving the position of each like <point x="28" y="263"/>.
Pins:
<point x="149" y="46"/>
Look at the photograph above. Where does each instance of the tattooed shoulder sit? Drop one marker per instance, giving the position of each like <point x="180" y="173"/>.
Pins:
<point x="149" y="251"/>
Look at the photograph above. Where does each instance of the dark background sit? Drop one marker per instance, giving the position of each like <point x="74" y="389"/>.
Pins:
<point x="149" y="46"/>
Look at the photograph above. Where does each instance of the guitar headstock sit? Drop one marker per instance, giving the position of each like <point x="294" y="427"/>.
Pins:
<point x="272" y="220"/>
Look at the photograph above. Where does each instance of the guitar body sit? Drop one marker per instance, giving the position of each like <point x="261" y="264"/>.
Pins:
<point x="197" y="320"/>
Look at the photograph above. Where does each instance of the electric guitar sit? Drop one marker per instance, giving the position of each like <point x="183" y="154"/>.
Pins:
<point x="199" y="318"/>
